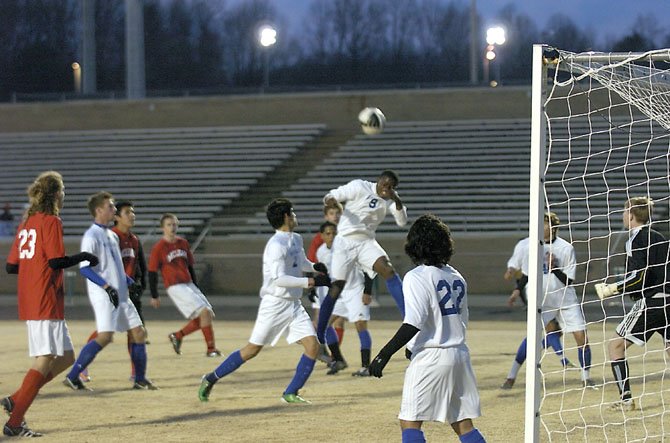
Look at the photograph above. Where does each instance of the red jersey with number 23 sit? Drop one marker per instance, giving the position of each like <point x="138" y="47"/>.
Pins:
<point x="40" y="288"/>
<point x="173" y="260"/>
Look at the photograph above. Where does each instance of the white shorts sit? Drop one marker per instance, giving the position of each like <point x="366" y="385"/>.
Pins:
<point x="347" y="252"/>
<point x="350" y="304"/>
<point x="48" y="337"/>
<point x="188" y="299"/>
<point x="570" y="318"/>
<point x="440" y="386"/>
<point x="108" y="319"/>
<point x="276" y="316"/>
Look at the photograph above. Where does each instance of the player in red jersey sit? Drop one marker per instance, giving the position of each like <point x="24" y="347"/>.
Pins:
<point x="172" y="256"/>
<point x="134" y="264"/>
<point x="38" y="257"/>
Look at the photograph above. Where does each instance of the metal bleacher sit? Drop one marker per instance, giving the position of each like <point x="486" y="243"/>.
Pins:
<point x="475" y="173"/>
<point x="193" y="172"/>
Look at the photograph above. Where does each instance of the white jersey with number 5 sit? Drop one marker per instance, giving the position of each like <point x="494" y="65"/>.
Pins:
<point x="364" y="209"/>
<point x="436" y="303"/>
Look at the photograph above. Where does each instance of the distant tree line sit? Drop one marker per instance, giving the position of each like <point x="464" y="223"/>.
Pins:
<point x="193" y="44"/>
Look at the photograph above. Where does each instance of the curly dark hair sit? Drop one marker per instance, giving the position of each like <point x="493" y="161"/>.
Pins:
<point x="277" y="209"/>
<point x="429" y="241"/>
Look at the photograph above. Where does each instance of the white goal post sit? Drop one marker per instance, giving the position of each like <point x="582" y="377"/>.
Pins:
<point x="600" y="135"/>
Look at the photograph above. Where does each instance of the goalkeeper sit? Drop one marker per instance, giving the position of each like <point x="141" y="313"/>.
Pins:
<point x="646" y="282"/>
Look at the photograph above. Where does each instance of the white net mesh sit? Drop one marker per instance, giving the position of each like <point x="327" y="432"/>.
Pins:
<point x="608" y="132"/>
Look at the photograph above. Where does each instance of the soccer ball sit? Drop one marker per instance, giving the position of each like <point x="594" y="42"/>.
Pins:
<point x="372" y="120"/>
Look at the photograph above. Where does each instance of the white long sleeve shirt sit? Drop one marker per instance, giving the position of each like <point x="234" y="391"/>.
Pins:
<point x="284" y="263"/>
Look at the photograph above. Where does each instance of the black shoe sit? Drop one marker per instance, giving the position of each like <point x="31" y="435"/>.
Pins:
<point x="7" y="404"/>
<point x="20" y="431"/>
<point x="76" y="385"/>
<point x="336" y="366"/>
<point x="146" y="385"/>
<point x="176" y="343"/>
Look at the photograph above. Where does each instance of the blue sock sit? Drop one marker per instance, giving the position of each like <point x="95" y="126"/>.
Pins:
<point x="584" y="355"/>
<point x="138" y="354"/>
<point x="325" y="311"/>
<point x="86" y="356"/>
<point x="302" y="373"/>
<point x="366" y="340"/>
<point x="230" y="364"/>
<point x="473" y="436"/>
<point x="331" y="336"/>
<point x="555" y="342"/>
<point x="521" y="353"/>
<point x="413" y="436"/>
<point x="394" y="285"/>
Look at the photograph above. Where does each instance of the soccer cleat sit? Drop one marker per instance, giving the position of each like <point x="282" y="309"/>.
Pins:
<point x="176" y="343"/>
<point x="7" y="404"/>
<point x="146" y="385"/>
<point x="507" y="385"/>
<point x="623" y="405"/>
<point x="589" y="384"/>
<point x="84" y="377"/>
<point x="323" y="355"/>
<point x="20" y="431"/>
<point x="568" y="364"/>
<point x="205" y="389"/>
<point x="76" y="385"/>
<point x="336" y="367"/>
<point x="295" y="399"/>
<point x="363" y="372"/>
<point x="213" y="353"/>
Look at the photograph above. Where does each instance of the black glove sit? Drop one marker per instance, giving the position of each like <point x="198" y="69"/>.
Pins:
<point x="135" y="291"/>
<point x="312" y="296"/>
<point x="320" y="267"/>
<point x="322" y="280"/>
<point x="408" y="354"/>
<point x="113" y="296"/>
<point x="378" y="364"/>
<point x="87" y="256"/>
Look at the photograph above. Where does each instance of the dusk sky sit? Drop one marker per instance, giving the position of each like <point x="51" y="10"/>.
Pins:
<point x="608" y="18"/>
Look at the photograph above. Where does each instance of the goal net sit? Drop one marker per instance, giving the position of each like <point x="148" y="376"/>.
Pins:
<point x="601" y="135"/>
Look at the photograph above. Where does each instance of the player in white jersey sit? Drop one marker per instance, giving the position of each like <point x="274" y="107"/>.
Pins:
<point x="281" y="310"/>
<point x="366" y="205"/>
<point x="559" y="301"/>
<point x="353" y="305"/>
<point x="107" y="285"/>
<point x="439" y="383"/>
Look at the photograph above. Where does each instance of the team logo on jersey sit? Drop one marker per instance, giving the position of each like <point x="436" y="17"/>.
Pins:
<point x="177" y="253"/>
<point x="128" y="252"/>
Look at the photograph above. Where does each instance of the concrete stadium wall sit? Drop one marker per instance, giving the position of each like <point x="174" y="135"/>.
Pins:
<point x="232" y="265"/>
<point x="336" y="109"/>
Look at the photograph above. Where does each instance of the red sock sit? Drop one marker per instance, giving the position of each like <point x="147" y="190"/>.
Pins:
<point x="340" y="334"/>
<point x="25" y="396"/>
<point x="190" y="327"/>
<point x="47" y="379"/>
<point x="93" y="336"/>
<point x="208" y="332"/>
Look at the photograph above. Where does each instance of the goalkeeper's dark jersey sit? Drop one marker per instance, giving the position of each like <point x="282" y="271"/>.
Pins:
<point x="646" y="265"/>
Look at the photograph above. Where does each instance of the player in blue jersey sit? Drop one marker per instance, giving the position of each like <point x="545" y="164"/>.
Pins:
<point x="439" y="383"/>
<point x="281" y="309"/>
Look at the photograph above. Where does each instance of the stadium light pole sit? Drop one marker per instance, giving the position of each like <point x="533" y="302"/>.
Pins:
<point x="267" y="37"/>
<point x="495" y="36"/>
<point x="76" y="73"/>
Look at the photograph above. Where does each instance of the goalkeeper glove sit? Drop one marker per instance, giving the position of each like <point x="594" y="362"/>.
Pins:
<point x="311" y="295"/>
<point x="322" y="280"/>
<point x="113" y="296"/>
<point x="320" y="267"/>
<point x="604" y="290"/>
<point x="378" y="364"/>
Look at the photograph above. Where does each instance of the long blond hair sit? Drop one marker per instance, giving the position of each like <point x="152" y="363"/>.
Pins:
<point x="43" y="194"/>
